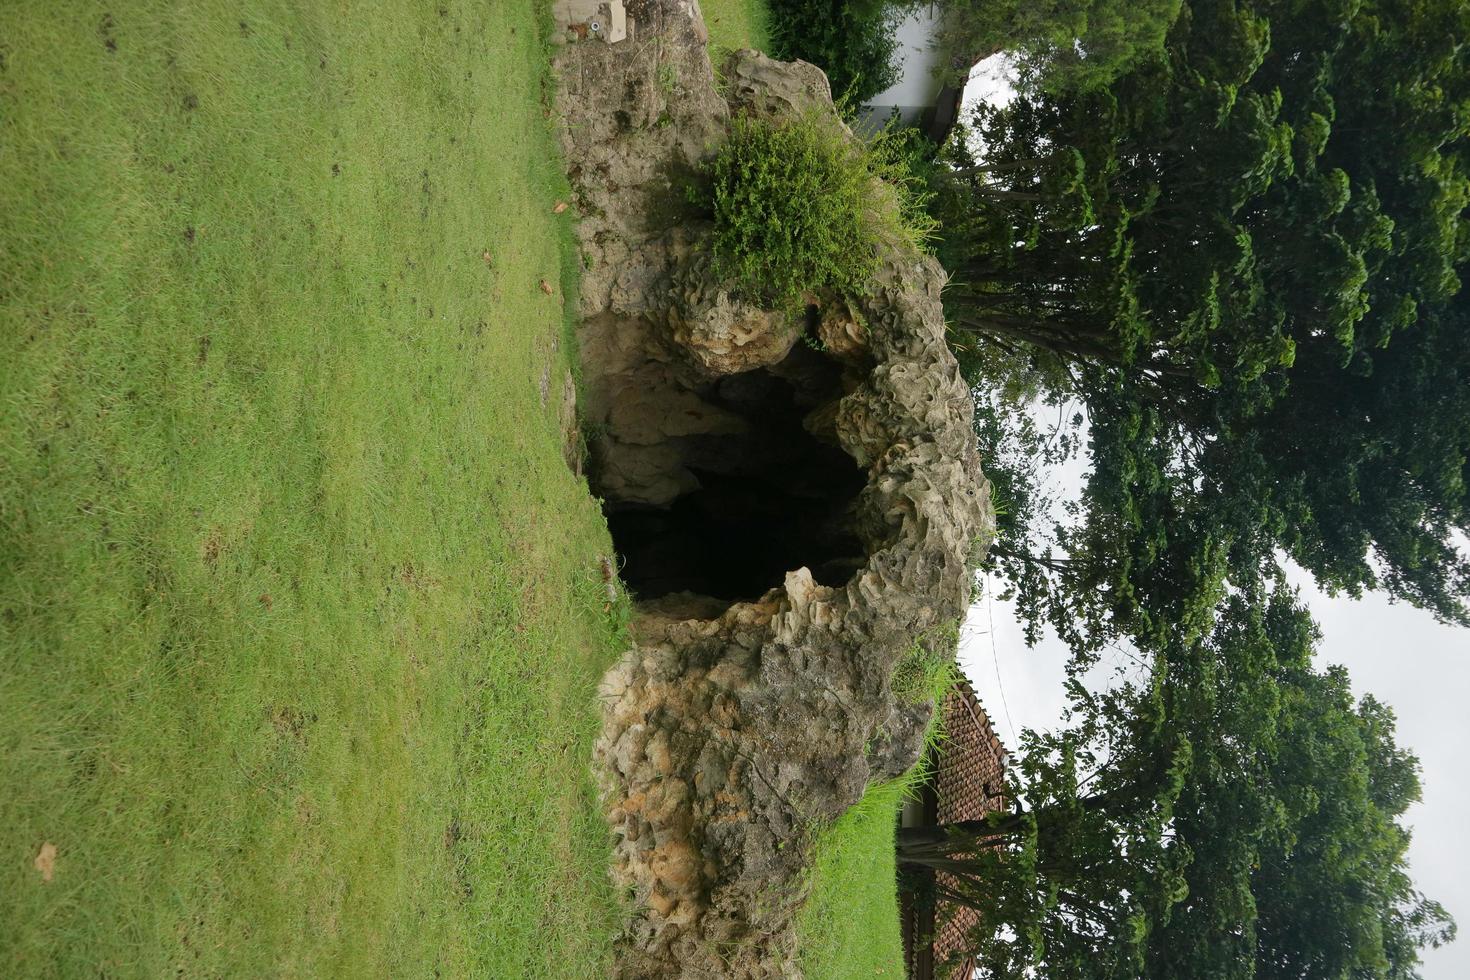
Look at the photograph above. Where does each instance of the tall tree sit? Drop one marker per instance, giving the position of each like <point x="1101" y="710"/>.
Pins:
<point x="1243" y="257"/>
<point x="1333" y="893"/>
<point x="1236" y="817"/>
<point x="1060" y="44"/>
<point x="1291" y="817"/>
<point x="1071" y="878"/>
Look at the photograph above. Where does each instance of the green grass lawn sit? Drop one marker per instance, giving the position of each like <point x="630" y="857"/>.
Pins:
<point x="736" y="24"/>
<point x="300" y="610"/>
<point x="849" y="927"/>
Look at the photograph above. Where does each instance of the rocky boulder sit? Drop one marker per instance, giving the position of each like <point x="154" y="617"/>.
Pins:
<point x="796" y="502"/>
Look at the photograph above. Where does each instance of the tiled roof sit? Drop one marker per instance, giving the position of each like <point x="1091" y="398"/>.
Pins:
<point x="969" y="782"/>
<point x="971" y="758"/>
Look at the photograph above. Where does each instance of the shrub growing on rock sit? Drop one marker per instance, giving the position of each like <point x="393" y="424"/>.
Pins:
<point x="800" y="206"/>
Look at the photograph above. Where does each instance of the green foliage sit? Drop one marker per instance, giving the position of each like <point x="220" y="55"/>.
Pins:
<point x="1065" y="881"/>
<point x="1242" y="260"/>
<point x="301" y="618"/>
<point x="853" y="41"/>
<point x="1060" y="45"/>
<point x="800" y="207"/>
<point x="927" y="672"/>
<point x="1236" y="259"/>
<point x="1234" y="815"/>
<point x="1291" y="816"/>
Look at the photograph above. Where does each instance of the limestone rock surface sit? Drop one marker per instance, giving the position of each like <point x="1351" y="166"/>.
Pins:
<point x="755" y="705"/>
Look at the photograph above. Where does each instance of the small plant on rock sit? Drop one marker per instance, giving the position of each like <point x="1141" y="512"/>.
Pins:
<point x="800" y="206"/>
<point x="928" y="671"/>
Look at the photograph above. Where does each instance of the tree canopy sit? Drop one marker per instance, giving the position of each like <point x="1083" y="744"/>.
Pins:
<point x="1236" y="815"/>
<point x="1232" y="264"/>
<point x="1243" y="259"/>
<point x="1059" y="44"/>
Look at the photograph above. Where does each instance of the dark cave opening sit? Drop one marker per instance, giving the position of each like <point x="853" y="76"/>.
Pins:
<point x="769" y="499"/>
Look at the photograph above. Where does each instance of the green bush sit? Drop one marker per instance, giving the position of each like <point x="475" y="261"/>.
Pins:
<point x="797" y="208"/>
<point x="1059" y="45"/>
<point x="928" y="671"/>
<point x="853" y="41"/>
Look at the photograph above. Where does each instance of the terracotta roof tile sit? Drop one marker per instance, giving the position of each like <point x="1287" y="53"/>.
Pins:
<point x="969" y="782"/>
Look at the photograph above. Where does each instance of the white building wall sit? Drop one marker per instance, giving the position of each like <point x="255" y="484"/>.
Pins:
<point x="919" y="57"/>
<point x="917" y="87"/>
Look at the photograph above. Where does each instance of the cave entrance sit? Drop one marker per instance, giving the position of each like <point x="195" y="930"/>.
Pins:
<point x="766" y="499"/>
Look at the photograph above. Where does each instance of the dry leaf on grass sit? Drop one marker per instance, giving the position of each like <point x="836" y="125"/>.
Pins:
<point x="546" y="287"/>
<point x="489" y="260"/>
<point x="560" y="207"/>
<point x="46" y="861"/>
